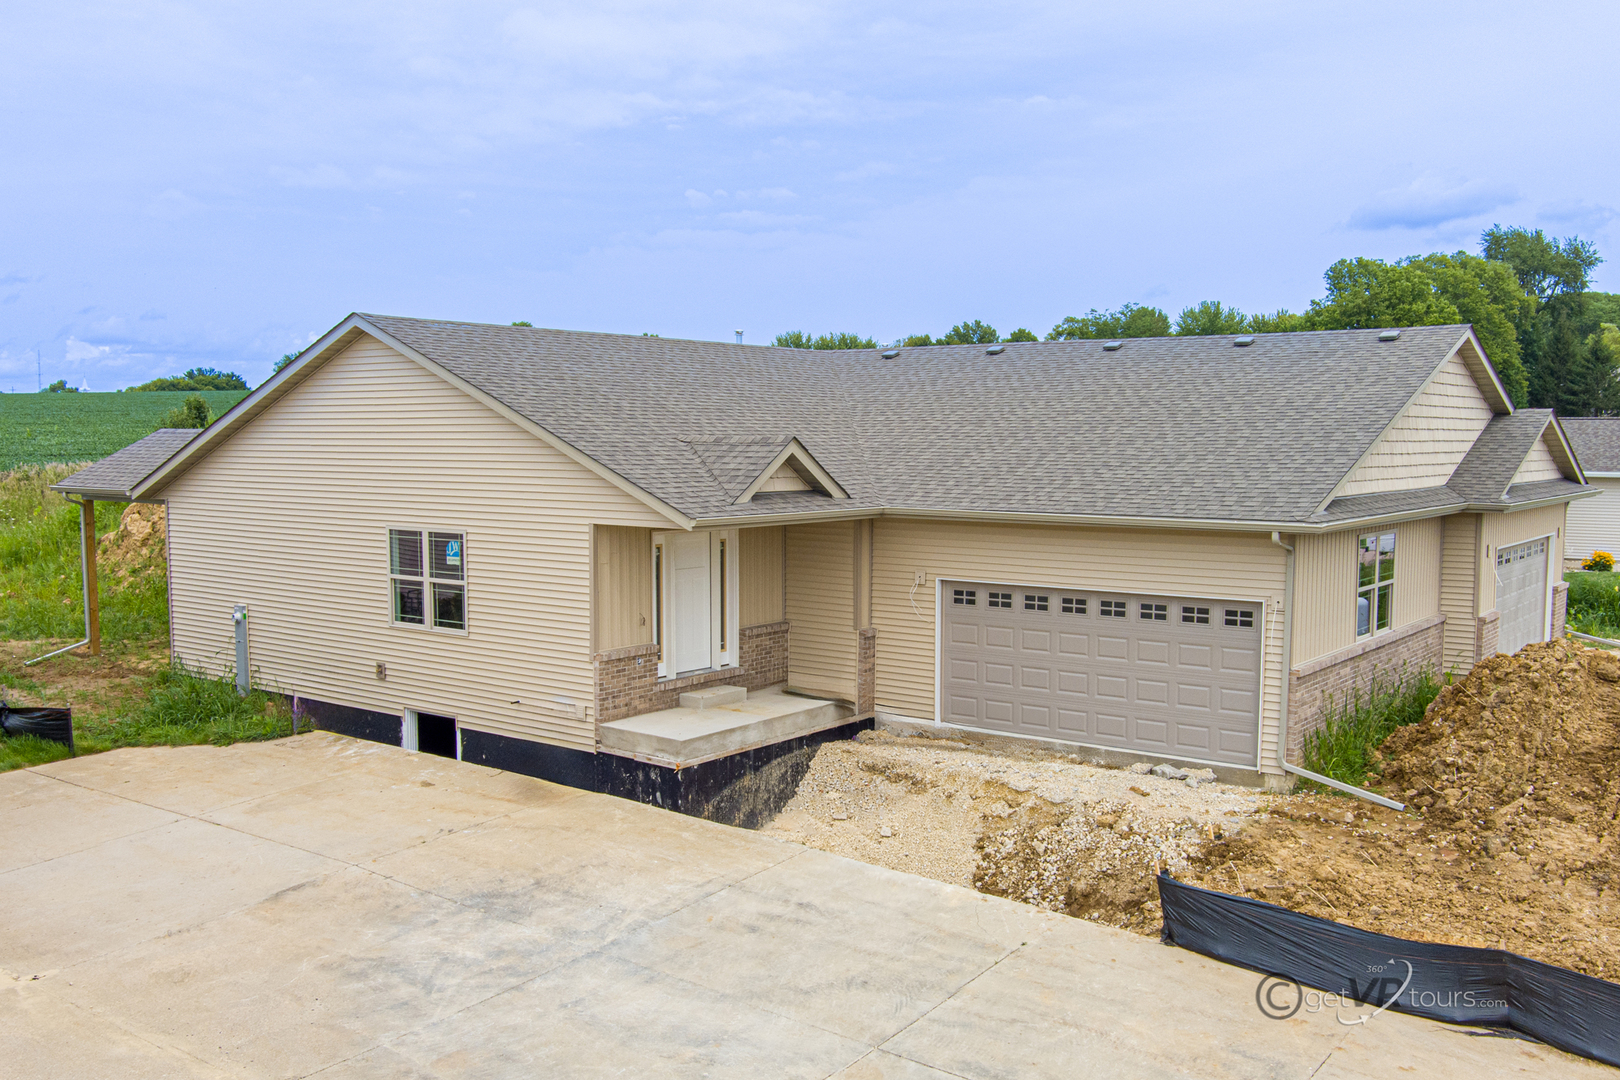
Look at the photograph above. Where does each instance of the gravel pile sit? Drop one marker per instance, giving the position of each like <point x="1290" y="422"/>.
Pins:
<point x="1043" y="828"/>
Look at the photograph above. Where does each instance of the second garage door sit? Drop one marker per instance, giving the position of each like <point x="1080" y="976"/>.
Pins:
<point x="1171" y="676"/>
<point x="1521" y="595"/>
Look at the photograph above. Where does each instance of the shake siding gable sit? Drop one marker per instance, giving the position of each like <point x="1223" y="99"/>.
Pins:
<point x="1538" y="464"/>
<point x="1225" y="565"/>
<point x="1427" y="442"/>
<point x="290" y="516"/>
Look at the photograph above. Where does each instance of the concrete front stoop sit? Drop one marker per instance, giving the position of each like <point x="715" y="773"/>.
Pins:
<point x="716" y="722"/>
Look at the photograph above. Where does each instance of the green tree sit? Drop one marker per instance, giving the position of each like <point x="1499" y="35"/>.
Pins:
<point x="1131" y="320"/>
<point x="798" y="339"/>
<point x="1021" y="334"/>
<point x="60" y="386"/>
<point x="197" y="379"/>
<point x="1488" y="295"/>
<point x="191" y="413"/>
<point x="971" y="333"/>
<point x="523" y="322"/>
<point x="1210" y="317"/>
<point x="1364" y="294"/>
<point x="284" y="361"/>
<point x="1544" y="265"/>
<point x="1282" y="321"/>
<point x="918" y="341"/>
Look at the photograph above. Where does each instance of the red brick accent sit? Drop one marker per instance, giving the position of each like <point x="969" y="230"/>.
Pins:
<point x="866" y="675"/>
<point x="1315" y="686"/>
<point x="627" y="682"/>
<point x="1485" y="635"/>
<point x="1560" y="608"/>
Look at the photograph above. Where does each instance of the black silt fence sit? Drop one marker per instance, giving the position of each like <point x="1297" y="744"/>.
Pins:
<point x="53" y="724"/>
<point x="1453" y="983"/>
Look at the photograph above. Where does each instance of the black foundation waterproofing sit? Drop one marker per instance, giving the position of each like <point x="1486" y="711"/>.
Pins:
<point x="1453" y="983"/>
<point x="53" y="724"/>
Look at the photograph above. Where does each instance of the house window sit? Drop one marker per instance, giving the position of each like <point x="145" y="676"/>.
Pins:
<point x="1155" y="612"/>
<point x="1074" y="605"/>
<point x="1000" y="599"/>
<point x="1034" y="603"/>
<point x="1375" y="582"/>
<point x="1112" y="609"/>
<point x="1243" y="617"/>
<point x="965" y="596"/>
<point x="1197" y="615"/>
<point x="427" y="578"/>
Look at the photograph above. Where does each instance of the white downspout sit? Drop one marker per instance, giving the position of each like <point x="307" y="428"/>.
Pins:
<point x="84" y="577"/>
<point x="1282" y="723"/>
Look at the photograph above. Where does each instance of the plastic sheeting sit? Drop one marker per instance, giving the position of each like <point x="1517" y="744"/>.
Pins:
<point x="53" y="724"/>
<point x="1460" y="985"/>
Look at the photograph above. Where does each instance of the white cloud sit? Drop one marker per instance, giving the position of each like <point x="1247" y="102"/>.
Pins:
<point x="697" y="198"/>
<point x="1429" y="201"/>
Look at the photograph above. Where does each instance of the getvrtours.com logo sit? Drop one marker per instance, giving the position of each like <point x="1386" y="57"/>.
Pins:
<point x="1379" y="988"/>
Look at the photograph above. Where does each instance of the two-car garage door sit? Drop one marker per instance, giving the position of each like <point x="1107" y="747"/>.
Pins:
<point x="1171" y="676"/>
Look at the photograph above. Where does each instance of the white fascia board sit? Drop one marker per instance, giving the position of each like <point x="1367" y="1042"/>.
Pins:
<point x="1601" y="475"/>
<point x="1501" y="395"/>
<point x="337" y="339"/>
<point x="793" y="449"/>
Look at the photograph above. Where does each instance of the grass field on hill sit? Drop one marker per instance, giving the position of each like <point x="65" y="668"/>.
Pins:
<point x="40" y="428"/>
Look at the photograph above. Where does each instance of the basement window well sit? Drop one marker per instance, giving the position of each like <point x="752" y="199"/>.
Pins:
<point x="431" y="733"/>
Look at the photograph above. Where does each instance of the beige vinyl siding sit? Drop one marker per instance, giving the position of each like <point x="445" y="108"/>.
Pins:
<point x="1505" y="530"/>
<point x="760" y="575"/>
<point x="624" y="587"/>
<point x="1324" y="594"/>
<point x="1594" y="524"/>
<point x="1538" y="464"/>
<point x="1458" y="572"/>
<point x="1427" y="442"/>
<point x="1325" y="585"/>
<point x="291" y="515"/>
<point x="821" y="609"/>
<point x="1218" y="565"/>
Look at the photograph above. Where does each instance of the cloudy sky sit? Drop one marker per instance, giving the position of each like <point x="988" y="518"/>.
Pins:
<point x="217" y="185"/>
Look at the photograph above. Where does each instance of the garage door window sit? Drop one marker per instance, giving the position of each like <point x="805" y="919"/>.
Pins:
<point x="1196" y="615"/>
<point x="1375" y="583"/>
<point x="1034" y="603"/>
<point x="968" y="597"/>
<point x="1074" y="605"/>
<point x="1113" y="609"/>
<point x="1156" y="612"/>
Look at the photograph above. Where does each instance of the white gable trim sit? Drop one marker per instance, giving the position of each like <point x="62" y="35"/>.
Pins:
<point x="1490" y="387"/>
<point x="800" y="460"/>
<point x="339" y="338"/>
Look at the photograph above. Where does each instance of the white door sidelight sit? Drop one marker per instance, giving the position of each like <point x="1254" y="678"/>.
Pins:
<point x="1521" y="595"/>
<point x="1171" y="676"/>
<point x="695" y="586"/>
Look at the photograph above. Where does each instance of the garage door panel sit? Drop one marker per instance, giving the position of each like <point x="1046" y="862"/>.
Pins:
<point x="1163" y="675"/>
<point x="1521" y="595"/>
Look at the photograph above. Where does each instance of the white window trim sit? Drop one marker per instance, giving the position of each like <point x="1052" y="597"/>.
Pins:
<point x="409" y="738"/>
<point x="729" y="618"/>
<point x="427" y="580"/>
<point x="1372" y="611"/>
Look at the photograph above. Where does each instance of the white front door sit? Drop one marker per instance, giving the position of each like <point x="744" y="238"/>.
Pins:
<point x="690" y="603"/>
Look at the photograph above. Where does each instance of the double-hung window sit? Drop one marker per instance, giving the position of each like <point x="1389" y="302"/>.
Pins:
<point x="428" y="578"/>
<point x="1375" y="582"/>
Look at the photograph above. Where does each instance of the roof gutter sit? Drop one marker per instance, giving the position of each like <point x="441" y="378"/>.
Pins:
<point x="1282" y="723"/>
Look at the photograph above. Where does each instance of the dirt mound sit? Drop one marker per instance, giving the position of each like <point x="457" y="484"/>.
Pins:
<point x="1511" y="842"/>
<point x="138" y="546"/>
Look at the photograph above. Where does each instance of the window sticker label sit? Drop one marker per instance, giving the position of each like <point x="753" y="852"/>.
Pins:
<point x="452" y="552"/>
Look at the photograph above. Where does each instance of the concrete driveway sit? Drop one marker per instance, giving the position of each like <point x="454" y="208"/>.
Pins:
<point x="325" y="907"/>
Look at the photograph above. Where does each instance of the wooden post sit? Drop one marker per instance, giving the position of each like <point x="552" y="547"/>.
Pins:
<point x="92" y="590"/>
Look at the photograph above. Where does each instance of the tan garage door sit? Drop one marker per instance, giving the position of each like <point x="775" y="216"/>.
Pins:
<point x="1162" y="675"/>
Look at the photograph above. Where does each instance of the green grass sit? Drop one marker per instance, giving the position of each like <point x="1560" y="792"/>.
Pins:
<point x="179" y="708"/>
<point x="40" y="592"/>
<point x="1356" y="725"/>
<point x="1594" y="603"/>
<point x="40" y="428"/>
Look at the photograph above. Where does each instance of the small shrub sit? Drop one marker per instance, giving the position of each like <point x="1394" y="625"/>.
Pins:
<point x="1344" y="748"/>
<point x="1600" y="561"/>
<point x="191" y="413"/>
<point x="1594" y="604"/>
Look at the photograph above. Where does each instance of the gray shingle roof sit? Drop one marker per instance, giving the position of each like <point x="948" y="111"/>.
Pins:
<point x="1596" y="440"/>
<point x="114" y="475"/>
<point x="1488" y="469"/>
<point x="1356" y="507"/>
<point x="1176" y="428"/>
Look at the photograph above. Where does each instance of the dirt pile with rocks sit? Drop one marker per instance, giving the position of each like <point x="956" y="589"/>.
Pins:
<point x="139" y="545"/>
<point x="1511" y="840"/>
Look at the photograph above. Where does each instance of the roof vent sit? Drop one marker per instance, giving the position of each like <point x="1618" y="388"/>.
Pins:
<point x="995" y="350"/>
<point x="1245" y="340"/>
<point x="1112" y="346"/>
<point x="891" y="354"/>
<point x="1389" y="335"/>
